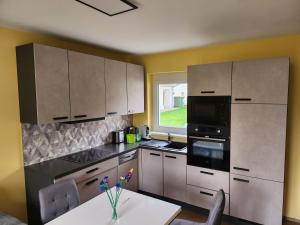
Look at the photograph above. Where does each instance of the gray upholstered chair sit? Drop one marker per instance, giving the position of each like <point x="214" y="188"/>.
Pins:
<point x="215" y="213"/>
<point x="58" y="199"/>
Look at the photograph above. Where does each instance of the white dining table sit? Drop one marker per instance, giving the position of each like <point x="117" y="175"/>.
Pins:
<point x="133" y="209"/>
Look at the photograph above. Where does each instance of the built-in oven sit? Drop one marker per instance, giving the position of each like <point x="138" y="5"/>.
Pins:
<point x="212" y="153"/>
<point x="209" y="132"/>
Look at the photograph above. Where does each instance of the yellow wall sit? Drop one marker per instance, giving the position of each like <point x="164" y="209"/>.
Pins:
<point x="12" y="191"/>
<point x="254" y="49"/>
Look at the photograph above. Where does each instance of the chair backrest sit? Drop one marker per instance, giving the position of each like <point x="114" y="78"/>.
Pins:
<point x="58" y="199"/>
<point x="216" y="212"/>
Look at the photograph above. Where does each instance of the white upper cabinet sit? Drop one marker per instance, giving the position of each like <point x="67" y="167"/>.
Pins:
<point x="87" y="86"/>
<point x="135" y="88"/>
<point x="116" y="90"/>
<point x="43" y="84"/>
<point x="210" y="79"/>
<point x="260" y="81"/>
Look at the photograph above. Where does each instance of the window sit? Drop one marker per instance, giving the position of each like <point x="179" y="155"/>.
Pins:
<point x="170" y="103"/>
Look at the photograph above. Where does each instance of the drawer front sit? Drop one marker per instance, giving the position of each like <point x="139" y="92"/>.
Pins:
<point x="91" y="171"/>
<point x="204" y="198"/>
<point x="207" y="178"/>
<point x="90" y="188"/>
<point x="256" y="200"/>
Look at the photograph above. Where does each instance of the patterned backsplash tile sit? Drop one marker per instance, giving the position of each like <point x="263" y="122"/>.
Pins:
<point x="44" y="142"/>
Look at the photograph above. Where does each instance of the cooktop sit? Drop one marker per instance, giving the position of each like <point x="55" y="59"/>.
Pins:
<point x="90" y="155"/>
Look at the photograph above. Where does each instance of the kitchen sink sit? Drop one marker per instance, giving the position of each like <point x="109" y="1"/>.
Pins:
<point x="175" y="145"/>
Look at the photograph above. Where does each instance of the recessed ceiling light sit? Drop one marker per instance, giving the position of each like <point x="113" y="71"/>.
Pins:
<point x="109" y="7"/>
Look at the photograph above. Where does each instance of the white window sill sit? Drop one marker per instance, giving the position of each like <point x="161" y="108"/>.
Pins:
<point x="166" y="134"/>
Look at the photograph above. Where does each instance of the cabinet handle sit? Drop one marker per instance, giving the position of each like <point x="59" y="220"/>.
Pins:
<point x="171" y="157"/>
<point x="206" y="193"/>
<point x="154" y="154"/>
<point x="60" y="118"/>
<point x="207" y="92"/>
<point x="208" y="173"/>
<point x="241" y="180"/>
<point x="243" y="99"/>
<point x="92" y="170"/>
<point x="91" y="182"/>
<point x="112" y="113"/>
<point x="80" y="116"/>
<point x="242" y="169"/>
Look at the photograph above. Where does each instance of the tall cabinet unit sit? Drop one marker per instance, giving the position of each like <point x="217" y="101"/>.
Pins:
<point x="258" y="136"/>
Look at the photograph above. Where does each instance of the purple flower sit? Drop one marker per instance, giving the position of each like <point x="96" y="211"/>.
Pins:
<point x="105" y="179"/>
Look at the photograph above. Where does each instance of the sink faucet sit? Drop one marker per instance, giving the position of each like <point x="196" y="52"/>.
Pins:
<point x="169" y="137"/>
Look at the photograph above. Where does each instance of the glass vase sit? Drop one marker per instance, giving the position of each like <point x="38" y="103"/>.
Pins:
<point x="114" y="213"/>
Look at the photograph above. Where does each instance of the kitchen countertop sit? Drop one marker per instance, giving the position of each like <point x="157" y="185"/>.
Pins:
<point x="60" y="167"/>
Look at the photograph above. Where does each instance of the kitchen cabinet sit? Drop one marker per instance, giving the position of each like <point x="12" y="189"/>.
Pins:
<point x="258" y="134"/>
<point x="123" y="170"/>
<point x="87" y="86"/>
<point x="43" y="81"/>
<point x="116" y="89"/>
<point x="152" y="169"/>
<point x="174" y="170"/>
<point x="204" y="198"/>
<point x="135" y="88"/>
<point x="256" y="200"/>
<point x="261" y="81"/>
<point x="89" y="188"/>
<point x="208" y="178"/>
<point x="209" y="79"/>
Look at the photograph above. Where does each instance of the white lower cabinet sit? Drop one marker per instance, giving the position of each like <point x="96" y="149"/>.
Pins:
<point x="208" y="178"/>
<point x="203" y="198"/>
<point x="152" y="169"/>
<point x="256" y="200"/>
<point x="174" y="176"/>
<point x="90" y="188"/>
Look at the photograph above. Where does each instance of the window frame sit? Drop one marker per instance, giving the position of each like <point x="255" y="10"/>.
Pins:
<point x="166" y="78"/>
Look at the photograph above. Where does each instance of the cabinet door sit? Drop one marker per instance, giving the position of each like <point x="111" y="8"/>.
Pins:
<point x="258" y="134"/>
<point x="152" y="168"/>
<point x="123" y="170"/>
<point x="204" y="198"/>
<point x="52" y="84"/>
<point x="256" y="200"/>
<point x="261" y="81"/>
<point x="174" y="176"/>
<point x="116" y="93"/>
<point x="209" y="79"/>
<point x="135" y="88"/>
<point x="90" y="188"/>
<point x="87" y="86"/>
<point x="208" y="178"/>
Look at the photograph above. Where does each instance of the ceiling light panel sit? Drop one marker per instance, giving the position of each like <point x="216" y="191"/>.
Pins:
<point x="109" y="7"/>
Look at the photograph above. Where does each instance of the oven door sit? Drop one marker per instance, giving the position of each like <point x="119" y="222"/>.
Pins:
<point x="209" y="153"/>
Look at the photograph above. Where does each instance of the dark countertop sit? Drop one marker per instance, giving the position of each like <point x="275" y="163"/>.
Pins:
<point x="60" y="167"/>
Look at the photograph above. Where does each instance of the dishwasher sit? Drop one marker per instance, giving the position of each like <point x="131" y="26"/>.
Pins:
<point x="129" y="161"/>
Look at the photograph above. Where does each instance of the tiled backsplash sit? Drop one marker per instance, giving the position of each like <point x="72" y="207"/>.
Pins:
<point x="44" y="142"/>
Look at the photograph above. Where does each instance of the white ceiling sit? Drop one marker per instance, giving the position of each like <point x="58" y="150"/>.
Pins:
<point x="157" y="25"/>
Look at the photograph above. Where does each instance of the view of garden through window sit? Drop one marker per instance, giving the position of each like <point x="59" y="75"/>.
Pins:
<point x="173" y="105"/>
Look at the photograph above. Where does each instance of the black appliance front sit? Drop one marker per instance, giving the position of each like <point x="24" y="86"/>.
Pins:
<point x="209" y="132"/>
<point x="209" y="110"/>
<point x="209" y="153"/>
